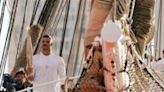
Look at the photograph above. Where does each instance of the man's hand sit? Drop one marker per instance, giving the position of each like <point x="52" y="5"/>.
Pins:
<point x="29" y="72"/>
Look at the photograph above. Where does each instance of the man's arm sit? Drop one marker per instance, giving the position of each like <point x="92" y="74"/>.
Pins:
<point x="30" y="75"/>
<point x="62" y="70"/>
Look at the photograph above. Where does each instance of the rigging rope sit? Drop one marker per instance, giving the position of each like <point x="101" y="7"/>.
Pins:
<point x="15" y="38"/>
<point x="8" y="38"/>
<point x="131" y="9"/>
<point x="21" y="31"/>
<point x="65" y="27"/>
<point x="73" y="38"/>
<point x="49" y="83"/>
<point x="57" y="17"/>
<point x="81" y="64"/>
<point x="56" y="22"/>
<point x="37" y="2"/>
<point x="46" y="11"/>
<point x="2" y="14"/>
<point x="78" y="28"/>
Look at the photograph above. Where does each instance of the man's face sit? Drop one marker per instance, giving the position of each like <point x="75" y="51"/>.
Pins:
<point x="20" y="77"/>
<point x="46" y="43"/>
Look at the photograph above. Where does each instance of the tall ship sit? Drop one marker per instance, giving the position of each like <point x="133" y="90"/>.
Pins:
<point x="107" y="45"/>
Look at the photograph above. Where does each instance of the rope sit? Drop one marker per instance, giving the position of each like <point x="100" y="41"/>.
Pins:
<point x="81" y="64"/>
<point x="46" y="11"/>
<point x="73" y="38"/>
<point x="15" y="38"/>
<point x="48" y="83"/>
<point x="55" y="16"/>
<point x="114" y="10"/>
<point x="78" y="28"/>
<point x="132" y="10"/>
<point x="43" y="14"/>
<point x="139" y="65"/>
<point x="60" y="15"/>
<point x="8" y="38"/>
<point x="121" y="7"/>
<point x="143" y="65"/>
<point x="34" y="11"/>
<point x="21" y="31"/>
<point x="64" y="28"/>
<point x="2" y="14"/>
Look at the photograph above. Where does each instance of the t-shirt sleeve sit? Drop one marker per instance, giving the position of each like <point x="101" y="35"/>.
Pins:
<point x="62" y="69"/>
<point x="34" y="65"/>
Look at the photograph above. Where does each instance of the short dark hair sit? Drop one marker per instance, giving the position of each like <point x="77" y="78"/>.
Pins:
<point x="20" y="72"/>
<point x="46" y="36"/>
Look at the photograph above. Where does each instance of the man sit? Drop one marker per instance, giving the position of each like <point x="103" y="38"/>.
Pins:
<point x="47" y="67"/>
<point x="16" y="83"/>
<point x="21" y="81"/>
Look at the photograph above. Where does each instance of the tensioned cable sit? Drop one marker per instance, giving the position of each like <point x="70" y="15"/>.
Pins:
<point x="15" y="38"/>
<point x="57" y="15"/>
<point x="131" y="10"/>
<point x="79" y="24"/>
<point x="64" y="28"/>
<point x="81" y="64"/>
<point x="6" y="42"/>
<point x="57" y="20"/>
<point x="46" y="12"/>
<point x="21" y="31"/>
<point x="8" y="38"/>
<point x="37" y="2"/>
<point x="49" y="83"/>
<point x="72" y="41"/>
<point x="2" y="14"/>
<point x="53" y="16"/>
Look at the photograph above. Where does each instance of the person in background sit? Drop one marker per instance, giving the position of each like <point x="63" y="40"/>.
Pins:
<point x="21" y="81"/>
<point x="17" y="82"/>
<point x="47" y="67"/>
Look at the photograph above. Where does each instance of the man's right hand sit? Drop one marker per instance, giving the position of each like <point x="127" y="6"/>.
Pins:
<point x="29" y="72"/>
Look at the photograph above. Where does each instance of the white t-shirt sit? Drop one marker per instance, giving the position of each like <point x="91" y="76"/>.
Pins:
<point x="159" y="68"/>
<point x="47" y="69"/>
